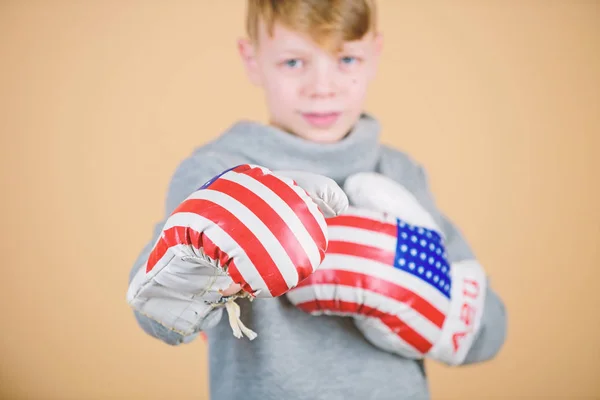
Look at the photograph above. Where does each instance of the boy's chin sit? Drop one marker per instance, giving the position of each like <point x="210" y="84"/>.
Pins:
<point x="321" y="135"/>
<point x="301" y="129"/>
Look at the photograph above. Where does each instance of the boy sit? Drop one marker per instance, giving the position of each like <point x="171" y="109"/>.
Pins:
<point x="314" y="59"/>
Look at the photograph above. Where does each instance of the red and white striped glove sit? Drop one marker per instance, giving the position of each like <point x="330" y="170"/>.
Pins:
<point x="248" y="232"/>
<point x="386" y="266"/>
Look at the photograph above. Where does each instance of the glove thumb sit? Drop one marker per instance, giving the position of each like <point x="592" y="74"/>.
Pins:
<point x="324" y="191"/>
<point x="377" y="192"/>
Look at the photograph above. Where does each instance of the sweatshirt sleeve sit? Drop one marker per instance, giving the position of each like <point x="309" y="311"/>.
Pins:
<point x="492" y="335"/>
<point x="412" y="175"/>
<point x="189" y="175"/>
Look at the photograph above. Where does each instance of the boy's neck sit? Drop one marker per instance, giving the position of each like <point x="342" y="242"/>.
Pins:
<point x="281" y="128"/>
<point x="275" y="148"/>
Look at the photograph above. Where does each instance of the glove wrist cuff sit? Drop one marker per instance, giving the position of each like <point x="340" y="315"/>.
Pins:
<point x="197" y="315"/>
<point x="463" y="320"/>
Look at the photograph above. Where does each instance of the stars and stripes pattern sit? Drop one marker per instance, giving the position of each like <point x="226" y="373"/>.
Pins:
<point x="393" y="275"/>
<point x="263" y="228"/>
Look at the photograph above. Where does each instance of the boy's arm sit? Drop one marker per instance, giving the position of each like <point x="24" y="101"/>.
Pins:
<point x="492" y="333"/>
<point x="413" y="176"/>
<point x="189" y="175"/>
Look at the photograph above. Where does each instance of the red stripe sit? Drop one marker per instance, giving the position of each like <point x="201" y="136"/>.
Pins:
<point x="215" y="253"/>
<point x="240" y="233"/>
<point x="298" y="206"/>
<point x="241" y="169"/>
<point x="361" y="250"/>
<point x="395" y="324"/>
<point x="157" y="253"/>
<point x="272" y="220"/>
<point x="186" y="236"/>
<point x="211" y="250"/>
<point x="380" y="286"/>
<point x="364" y="223"/>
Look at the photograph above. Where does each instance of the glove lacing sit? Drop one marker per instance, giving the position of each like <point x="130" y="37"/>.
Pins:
<point x="233" y="309"/>
<point x="234" y="313"/>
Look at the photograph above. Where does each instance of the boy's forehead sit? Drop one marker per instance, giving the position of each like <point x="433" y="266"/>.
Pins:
<point x="283" y="38"/>
<point x="280" y="36"/>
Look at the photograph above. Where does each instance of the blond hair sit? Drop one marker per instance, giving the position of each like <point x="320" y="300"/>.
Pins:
<point x="328" y="23"/>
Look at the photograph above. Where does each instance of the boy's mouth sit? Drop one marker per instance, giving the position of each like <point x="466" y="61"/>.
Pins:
<point x="321" y="120"/>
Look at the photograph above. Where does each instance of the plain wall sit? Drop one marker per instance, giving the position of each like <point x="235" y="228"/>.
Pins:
<point x="100" y="100"/>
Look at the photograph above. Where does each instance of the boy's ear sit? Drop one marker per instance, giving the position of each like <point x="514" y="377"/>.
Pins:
<point x="377" y="48"/>
<point x="378" y="43"/>
<point x="248" y="54"/>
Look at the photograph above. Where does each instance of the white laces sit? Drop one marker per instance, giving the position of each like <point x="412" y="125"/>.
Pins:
<point x="234" y="313"/>
<point x="233" y="309"/>
<point x="238" y="327"/>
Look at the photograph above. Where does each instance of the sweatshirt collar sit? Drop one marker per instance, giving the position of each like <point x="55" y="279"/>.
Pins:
<point x="276" y="149"/>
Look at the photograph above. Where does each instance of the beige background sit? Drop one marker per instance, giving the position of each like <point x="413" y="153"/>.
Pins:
<point x="99" y="101"/>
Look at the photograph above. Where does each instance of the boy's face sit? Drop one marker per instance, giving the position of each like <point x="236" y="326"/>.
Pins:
<point x="310" y="92"/>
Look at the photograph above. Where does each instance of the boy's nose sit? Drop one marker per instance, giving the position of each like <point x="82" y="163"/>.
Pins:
<point x="321" y="83"/>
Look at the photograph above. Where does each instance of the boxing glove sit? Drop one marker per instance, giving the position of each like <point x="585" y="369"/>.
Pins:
<point x="247" y="233"/>
<point x="387" y="267"/>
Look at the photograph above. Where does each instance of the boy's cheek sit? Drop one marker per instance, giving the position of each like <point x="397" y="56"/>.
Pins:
<point x="283" y="95"/>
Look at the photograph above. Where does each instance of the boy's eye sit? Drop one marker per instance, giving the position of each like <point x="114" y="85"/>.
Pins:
<point x="348" y="60"/>
<point x="293" y="63"/>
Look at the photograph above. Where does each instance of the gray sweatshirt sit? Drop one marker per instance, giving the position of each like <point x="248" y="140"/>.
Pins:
<point x="298" y="356"/>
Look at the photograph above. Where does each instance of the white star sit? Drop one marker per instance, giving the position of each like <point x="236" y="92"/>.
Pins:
<point x="436" y="278"/>
<point x="404" y="235"/>
<point x="421" y="269"/>
<point x="428" y="274"/>
<point x="431" y="247"/>
<point x="431" y="260"/>
<point x="423" y="242"/>
<point x="421" y="231"/>
<point x="411" y="265"/>
<point x="413" y="252"/>
<point x="447" y="287"/>
<point x="423" y="256"/>
<point x="402" y="261"/>
<point x="413" y="238"/>
<point x="403" y="248"/>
